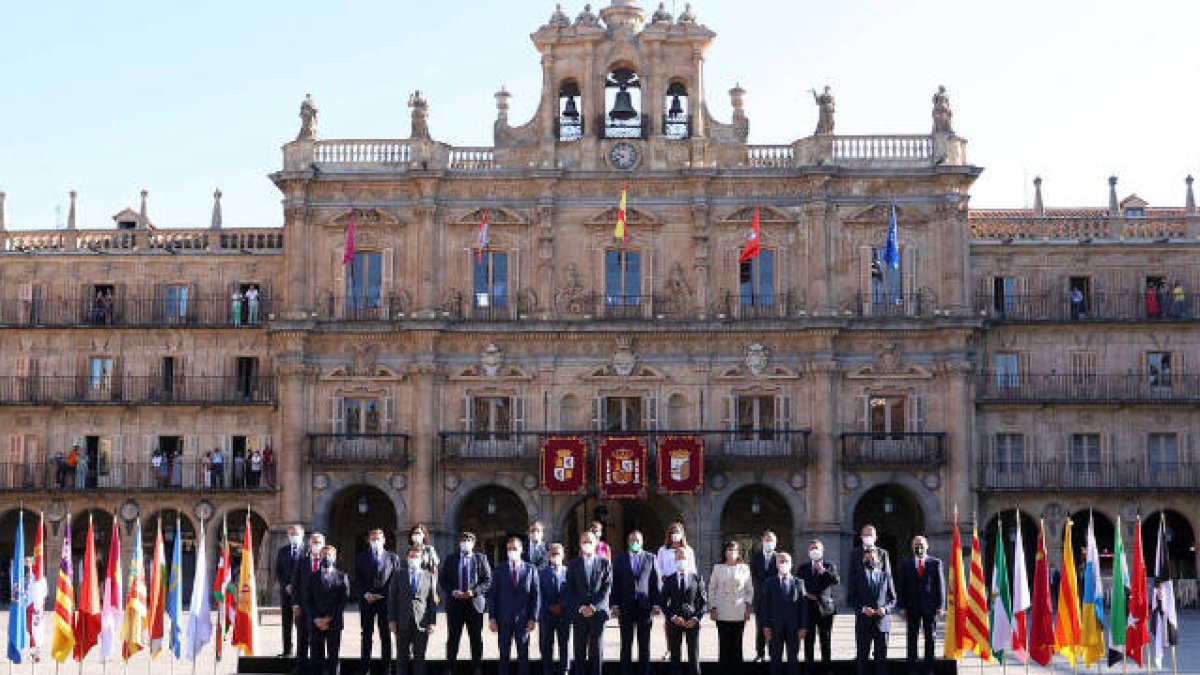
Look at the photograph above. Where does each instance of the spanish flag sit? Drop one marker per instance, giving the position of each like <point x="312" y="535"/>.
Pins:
<point x="62" y="642"/>
<point x="619" y="230"/>
<point x="244" y="630"/>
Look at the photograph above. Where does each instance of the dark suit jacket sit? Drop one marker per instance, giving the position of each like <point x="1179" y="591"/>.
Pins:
<point x="328" y="591"/>
<point x="538" y="556"/>
<point x="689" y="603"/>
<point x="882" y="597"/>
<point x="479" y="583"/>
<point x="922" y="595"/>
<point x="508" y="603"/>
<point x="821" y="585"/>
<point x="371" y="579"/>
<point x="885" y="562"/>
<point x="406" y="607"/>
<point x="761" y="569"/>
<point x="303" y="582"/>
<point x="593" y="590"/>
<point x="549" y="594"/>
<point x="635" y="596"/>
<point x="781" y="611"/>
<point x="285" y="571"/>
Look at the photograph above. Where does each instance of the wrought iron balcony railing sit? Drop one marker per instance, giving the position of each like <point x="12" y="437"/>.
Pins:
<point x="893" y="449"/>
<point x="377" y="450"/>
<point x="135" y="312"/>
<point x="1058" y="307"/>
<point x="129" y="389"/>
<point x="170" y="474"/>
<point x="1088" y="476"/>
<point x="1032" y="388"/>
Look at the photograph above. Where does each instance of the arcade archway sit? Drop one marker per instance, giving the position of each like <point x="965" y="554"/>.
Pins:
<point x="357" y="510"/>
<point x="1181" y="543"/>
<point x="896" y="514"/>
<point x="751" y="510"/>
<point x="494" y="514"/>
<point x="619" y="517"/>
<point x="1029" y="534"/>
<point x="187" y="549"/>
<point x="1105" y="531"/>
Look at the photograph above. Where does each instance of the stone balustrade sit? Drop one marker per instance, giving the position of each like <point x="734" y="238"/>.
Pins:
<point x="472" y="159"/>
<point x="873" y="148"/>
<point x="770" y="156"/>
<point x="1008" y="229"/>
<point x="265" y="240"/>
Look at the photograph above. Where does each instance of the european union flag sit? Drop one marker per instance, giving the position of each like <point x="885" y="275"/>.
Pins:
<point x="18" y="637"/>
<point x="891" y="250"/>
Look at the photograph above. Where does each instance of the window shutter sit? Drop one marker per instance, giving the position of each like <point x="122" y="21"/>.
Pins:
<point x="339" y="281"/>
<point x="864" y="280"/>
<point x="338" y="416"/>
<point x="191" y="461"/>
<point x="518" y="418"/>
<point x="916" y="413"/>
<point x="468" y="416"/>
<point x="863" y="412"/>
<point x="731" y="413"/>
<point x="598" y="422"/>
<point x="385" y="285"/>
<point x="908" y="278"/>
<point x="389" y="413"/>
<point x="651" y="403"/>
<point x="783" y="412"/>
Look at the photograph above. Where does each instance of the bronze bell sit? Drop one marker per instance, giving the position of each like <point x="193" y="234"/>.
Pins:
<point x="623" y="106"/>
<point x="676" y="107"/>
<point x="569" y="110"/>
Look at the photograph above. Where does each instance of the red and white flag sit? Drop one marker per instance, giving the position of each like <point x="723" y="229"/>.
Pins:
<point x="112" y="602"/>
<point x="348" y="256"/>
<point x="484" y="238"/>
<point x="751" y="249"/>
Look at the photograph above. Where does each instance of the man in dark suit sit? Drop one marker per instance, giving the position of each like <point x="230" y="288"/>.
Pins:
<point x="783" y="616"/>
<point x="466" y="577"/>
<point x="685" y="601"/>
<point x="872" y="596"/>
<point x="536" y="553"/>
<point x="920" y="596"/>
<point x="308" y="566"/>
<point x="412" y="612"/>
<point x="868" y="541"/>
<point x="634" y="601"/>
<point x="819" y="577"/>
<point x="326" y="594"/>
<point x="373" y="570"/>
<point x="513" y="606"/>
<point x="286" y="559"/>
<point x="589" y="583"/>
<point x="554" y="620"/>
<point x="762" y="567"/>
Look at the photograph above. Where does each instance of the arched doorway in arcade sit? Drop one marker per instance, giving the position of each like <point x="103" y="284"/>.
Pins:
<point x="357" y="510"/>
<point x="620" y="517"/>
<point x="494" y="514"/>
<point x="1180" y="543"/>
<point x="1029" y="535"/>
<point x="896" y="515"/>
<point x="751" y="510"/>
<point x="8" y="538"/>
<point x="1105" y="532"/>
<point x="187" y="545"/>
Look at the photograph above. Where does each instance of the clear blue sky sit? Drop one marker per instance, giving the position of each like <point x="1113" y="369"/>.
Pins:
<point x="179" y="98"/>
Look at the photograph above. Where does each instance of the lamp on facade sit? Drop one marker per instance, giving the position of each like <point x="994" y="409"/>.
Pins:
<point x="889" y="505"/>
<point x="491" y="506"/>
<point x="363" y="506"/>
<point x="755" y="505"/>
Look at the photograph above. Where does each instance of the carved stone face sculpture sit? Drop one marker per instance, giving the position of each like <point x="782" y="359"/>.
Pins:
<point x="491" y="359"/>
<point x="624" y="360"/>
<point x="756" y="358"/>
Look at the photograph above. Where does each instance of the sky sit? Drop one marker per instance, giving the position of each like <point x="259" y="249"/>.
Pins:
<point x="182" y="98"/>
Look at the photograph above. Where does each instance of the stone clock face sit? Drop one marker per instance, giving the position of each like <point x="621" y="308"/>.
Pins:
<point x="623" y="156"/>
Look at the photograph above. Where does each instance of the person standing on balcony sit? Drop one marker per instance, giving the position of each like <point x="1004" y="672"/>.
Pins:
<point x="217" y="468"/>
<point x="235" y="307"/>
<point x="1153" y="309"/>
<point x="256" y="467"/>
<point x="239" y="470"/>
<point x="252" y="305"/>
<point x="268" y="462"/>
<point x="1076" y="303"/>
<point x="206" y="470"/>
<point x="1178" y="300"/>
<point x="80" y="473"/>
<point x="157" y="466"/>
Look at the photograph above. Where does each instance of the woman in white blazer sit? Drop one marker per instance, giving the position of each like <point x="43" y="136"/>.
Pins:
<point x="731" y="596"/>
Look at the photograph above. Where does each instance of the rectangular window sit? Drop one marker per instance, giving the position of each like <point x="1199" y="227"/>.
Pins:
<point x="364" y="281"/>
<point x="1163" y="453"/>
<point x="175" y="302"/>
<point x="756" y="281"/>
<point x="885" y="280"/>
<point x="1158" y="370"/>
<point x="622" y="278"/>
<point x="1083" y="369"/>
<point x="1007" y="369"/>
<point x="1079" y="296"/>
<point x="1010" y="453"/>
<point x="491" y="417"/>
<point x="622" y="413"/>
<point x="362" y="415"/>
<point x="1004" y="295"/>
<point x="756" y="417"/>
<point x="490" y="280"/>
<point x="100" y="374"/>
<point x="247" y="376"/>
<point x="1085" y="453"/>
<point x="887" y="414"/>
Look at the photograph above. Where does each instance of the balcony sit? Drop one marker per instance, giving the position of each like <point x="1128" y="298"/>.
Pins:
<point x="172" y="241"/>
<point x="1099" y="307"/>
<point x="172" y="475"/>
<point x="1008" y="228"/>
<point x="359" y="450"/>
<point x="891" y="306"/>
<point x="151" y="312"/>
<point x="1093" y="476"/>
<point x="893" y="450"/>
<point x="137" y="389"/>
<point x="1041" y="389"/>
<point x="757" y="307"/>
<point x="471" y="447"/>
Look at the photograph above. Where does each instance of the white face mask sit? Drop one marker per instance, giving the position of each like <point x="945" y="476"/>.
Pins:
<point x="418" y="538"/>
<point x="376" y="545"/>
<point x="466" y="546"/>
<point x="683" y="566"/>
<point x="514" y="556"/>
<point x="414" y="563"/>
<point x="588" y="548"/>
<point x="785" y="568"/>
<point x="535" y="536"/>
<point x="868" y="540"/>
<point x="768" y="546"/>
<point x="294" y="539"/>
<point x="731" y="556"/>
<point x="814" y="554"/>
<point x="676" y="537"/>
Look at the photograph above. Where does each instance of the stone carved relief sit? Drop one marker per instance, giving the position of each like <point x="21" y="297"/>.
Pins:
<point x="624" y="359"/>
<point x="364" y="359"/>
<point x="491" y="359"/>
<point x="679" y="292"/>
<point x="757" y="357"/>
<point x="571" y="297"/>
<point x="889" y="364"/>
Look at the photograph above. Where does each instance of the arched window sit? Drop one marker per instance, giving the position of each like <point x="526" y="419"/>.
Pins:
<point x="623" y="103"/>
<point x="570" y="121"/>
<point x="677" y="121"/>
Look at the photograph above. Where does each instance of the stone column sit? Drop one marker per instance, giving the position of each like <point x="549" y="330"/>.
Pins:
<point x="700" y="243"/>
<point x="543" y="282"/>
<point x="824" y="480"/>
<point x="425" y="480"/>
<point x="297" y="293"/>
<point x="427" y="240"/>
<point x="295" y="382"/>
<point x="960" y="396"/>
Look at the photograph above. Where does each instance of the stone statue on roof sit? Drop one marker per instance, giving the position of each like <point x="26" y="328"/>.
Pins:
<point x="941" y="112"/>
<point x="420" y="111"/>
<point x="308" y="119"/>
<point x="825" y="105"/>
<point x="661" y="15"/>
<point x="587" y="17"/>
<point x="559" y="18"/>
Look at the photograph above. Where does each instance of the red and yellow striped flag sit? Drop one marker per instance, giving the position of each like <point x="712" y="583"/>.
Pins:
<point x="244" y="631"/>
<point x="977" y="604"/>
<point x="619" y="231"/>
<point x="956" y="600"/>
<point x="1067" y="638"/>
<point x="62" y="642"/>
<point x="158" y="593"/>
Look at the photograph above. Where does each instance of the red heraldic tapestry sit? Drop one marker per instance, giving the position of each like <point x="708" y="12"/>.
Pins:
<point x="564" y="465"/>
<point x="621" y="472"/>
<point x="680" y="465"/>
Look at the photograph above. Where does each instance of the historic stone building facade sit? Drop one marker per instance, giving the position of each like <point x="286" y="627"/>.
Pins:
<point x="415" y="380"/>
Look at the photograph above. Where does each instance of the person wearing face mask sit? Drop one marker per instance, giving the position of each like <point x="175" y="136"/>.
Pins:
<point x="513" y="606"/>
<point x="589" y="584"/>
<point x="602" y="549"/>
<point x="418" y="536"/>
<point x="868" y="541"/>
<point x="872" y="597"/>
<point x="674" y="538"/>
<point x="820" y="579"/>
<point x="731" y="594"/>
<point x="920" y="596"/>
<point x="762" y="567"/>
<point x="634" y="602"/>
<point x="307" y="567"/>
<point x="685" y="602"/>
<point x="412" y="612"/>
<point x="535" y="553"/>
<point x="328" y="592"/>
<point x="554" y="622"/>
<point x="286" y="560"/>
<point x="373" y="571"/>
<point x="783" y="616"/>
<point x="465" y="579"/>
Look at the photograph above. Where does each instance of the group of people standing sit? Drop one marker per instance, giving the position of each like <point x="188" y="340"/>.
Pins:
<point x="569" y="603"/>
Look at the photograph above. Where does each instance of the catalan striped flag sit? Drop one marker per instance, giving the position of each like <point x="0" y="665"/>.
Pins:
<point x="1067" y="639"/>
<point x="62" y="642"/>
<point x="157" y="594"/>
<point x="619" y="232"/>
<point x="977" y="603"/>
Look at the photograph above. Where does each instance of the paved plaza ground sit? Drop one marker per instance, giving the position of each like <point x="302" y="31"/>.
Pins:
<point x="843" y="648"/>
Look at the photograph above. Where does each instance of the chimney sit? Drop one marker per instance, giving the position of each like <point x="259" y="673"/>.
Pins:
<point x="216" y="214"/>
<point x="1114" y="209"/>
<point x="71" y="212"/>
<point x="145" y="217"/>
<point x="1039" y="209"/>
<point x="1189" y="203"/>
<point x="3" y="213"/>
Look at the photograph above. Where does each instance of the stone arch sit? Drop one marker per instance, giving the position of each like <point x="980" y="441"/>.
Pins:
<point x="929" y="502"/>
<point x="493" y="512"/>
<point x="323" y="503"/>
<point x="640" y="513"/>
<point x="753" y="507"/>
<point x="893" y="529"/>
<point x="1181" y="543"/>
<point x="473" y="483"/>
<point x="794" y="499"/>
<point x="345" y="526"/>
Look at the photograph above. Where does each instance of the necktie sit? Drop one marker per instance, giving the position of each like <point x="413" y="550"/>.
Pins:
<point x="787" y="585"/>
<point x="921" y="567"/>
<point x="559" y="576"/>
<point x="464" y="574"/>
<point x="514" y="574"/>
<point x="293" y="553"/>
<point x="412" y="582"/>
<point x="634" y="560"/>
<point x="314" y="564"/>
